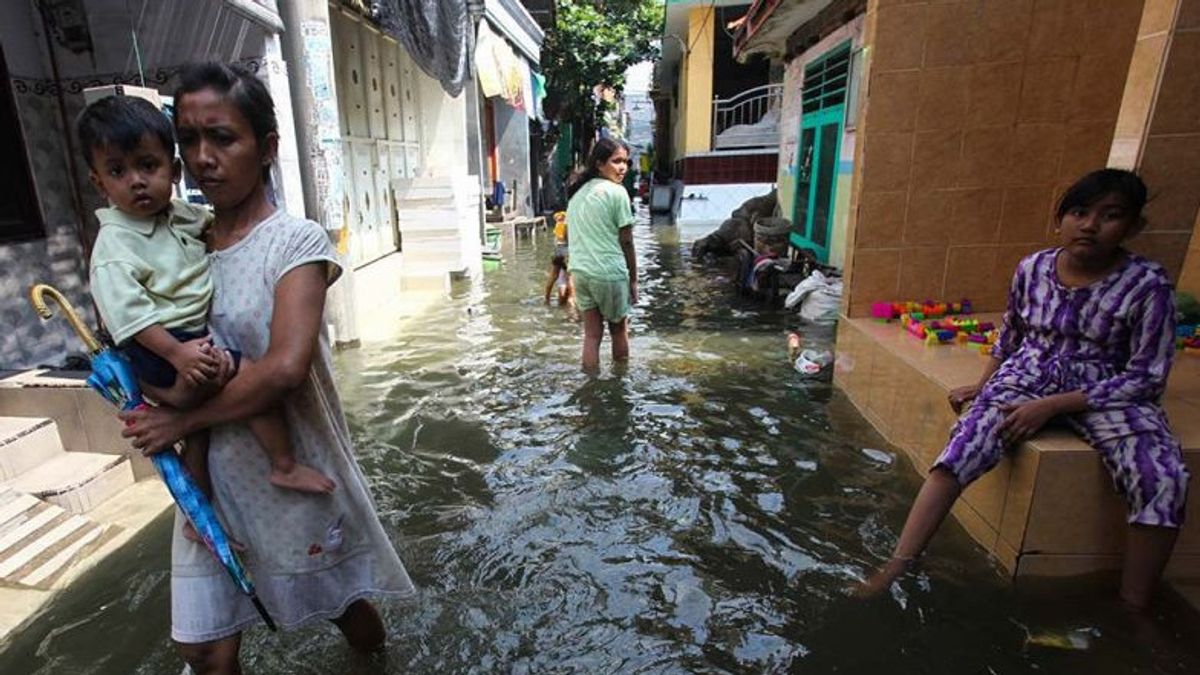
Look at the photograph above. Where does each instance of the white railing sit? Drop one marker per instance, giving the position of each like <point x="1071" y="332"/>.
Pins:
<point x="749" y="119"/>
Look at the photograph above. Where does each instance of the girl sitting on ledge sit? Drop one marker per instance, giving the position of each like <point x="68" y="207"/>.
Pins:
<point x="1089" y="335"/>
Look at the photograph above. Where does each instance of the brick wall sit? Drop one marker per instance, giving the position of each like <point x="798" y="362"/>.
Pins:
<point x="731" y="168"/>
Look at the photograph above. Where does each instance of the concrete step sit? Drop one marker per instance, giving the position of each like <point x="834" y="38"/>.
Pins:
<point x="39" y="541"/>
<point x="25" y="443"/>
<point x="75" y="481"/>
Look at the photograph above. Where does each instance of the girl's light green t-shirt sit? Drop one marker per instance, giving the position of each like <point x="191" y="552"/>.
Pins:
<point x="596" y="215"/>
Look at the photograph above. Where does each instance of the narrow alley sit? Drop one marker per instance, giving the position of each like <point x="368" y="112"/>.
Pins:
<point x="908" y="291"/>
<point x="703" y="511"/>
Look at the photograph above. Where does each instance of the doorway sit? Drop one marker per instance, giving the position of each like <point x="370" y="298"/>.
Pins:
<point x="822" y="125"/>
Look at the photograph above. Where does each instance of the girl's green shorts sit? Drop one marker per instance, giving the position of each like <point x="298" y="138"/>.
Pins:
<point x="610" y="297"/>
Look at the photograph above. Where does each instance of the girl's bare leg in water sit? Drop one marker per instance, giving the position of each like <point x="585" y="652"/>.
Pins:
<point x="620" y="339"/>
<point x="1147" y="550"/>
<point x="930" y="508"/>
<point x="593" y="334"/>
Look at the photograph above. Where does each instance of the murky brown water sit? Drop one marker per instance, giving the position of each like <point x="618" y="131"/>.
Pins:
<point x="700" y="512"/>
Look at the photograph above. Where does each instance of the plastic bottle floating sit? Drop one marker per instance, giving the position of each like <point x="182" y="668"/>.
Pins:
<point x="794" y="342"/>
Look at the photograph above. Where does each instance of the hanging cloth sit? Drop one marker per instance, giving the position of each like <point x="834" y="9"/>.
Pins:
<point x="511" y="66"/>
<point x="501" y="71"/>
<point x="487" y="66"/>
<point x="433" y="32"/>
<point x="539" y="93"/>
<point x="527" y="102"/>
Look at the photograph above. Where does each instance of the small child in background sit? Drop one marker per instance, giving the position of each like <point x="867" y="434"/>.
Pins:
<point x="558" y="264"/>
<point x="1088" y="336"/>
<point x="151" y="283"/>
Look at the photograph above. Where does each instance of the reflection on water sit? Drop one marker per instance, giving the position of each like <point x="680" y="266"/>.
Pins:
<point x="699" y="512"/>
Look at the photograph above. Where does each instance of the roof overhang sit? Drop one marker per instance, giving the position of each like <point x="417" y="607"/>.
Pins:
<point x="512" y="21"/>
<point x="675" y="23"/>
<point x="769" y="23"/>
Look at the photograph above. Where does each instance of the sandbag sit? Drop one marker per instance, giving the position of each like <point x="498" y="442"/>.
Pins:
<point x="756" y="207"/>
<point x="720" y="241"/>
<point x="737" y="226"/>
<point x="819" y="298"/>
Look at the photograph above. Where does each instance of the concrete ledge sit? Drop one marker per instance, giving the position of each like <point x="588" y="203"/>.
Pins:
<point x="86" y="422"/>
<point x="1047" y="509"/>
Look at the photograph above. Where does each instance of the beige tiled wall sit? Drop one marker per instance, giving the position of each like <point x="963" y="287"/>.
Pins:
<point x="977" y="115"/>
<point x="1158" y="131"/>
<point x="1189" y="278"/>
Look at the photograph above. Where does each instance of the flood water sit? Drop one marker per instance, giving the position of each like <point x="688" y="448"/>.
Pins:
<point x="700" y="512"/>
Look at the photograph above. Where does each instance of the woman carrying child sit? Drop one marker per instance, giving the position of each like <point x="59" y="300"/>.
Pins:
<point x="150" y="278"/>
<point x="1089" y="335"/>
<point x="312" y="557"/>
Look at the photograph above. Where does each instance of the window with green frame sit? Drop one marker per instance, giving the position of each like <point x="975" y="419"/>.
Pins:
<point x="825" y="80"/>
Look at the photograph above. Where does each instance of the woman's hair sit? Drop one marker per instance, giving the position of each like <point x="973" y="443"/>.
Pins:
<point x="247" y="93"/>
<point x="1098" y="184"/>
<point x="601" y="152"/>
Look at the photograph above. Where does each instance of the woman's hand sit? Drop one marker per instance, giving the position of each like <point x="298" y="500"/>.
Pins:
<point x="633" y="291"/>
<point x="153" y="430"/>
<point x="961" y="396"/>
<point x="1026" y="419"/>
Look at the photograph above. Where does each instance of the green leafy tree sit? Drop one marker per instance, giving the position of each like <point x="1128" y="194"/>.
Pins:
<point x="593" y="42"/>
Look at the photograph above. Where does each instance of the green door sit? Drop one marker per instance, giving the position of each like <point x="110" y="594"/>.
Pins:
<point x="822" y="120"/>
<point x="816" y="184"/>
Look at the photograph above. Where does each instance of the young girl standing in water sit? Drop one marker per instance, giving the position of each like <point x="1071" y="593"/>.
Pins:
<point x="1089" y="334"/>
<point x="603" y="264"/>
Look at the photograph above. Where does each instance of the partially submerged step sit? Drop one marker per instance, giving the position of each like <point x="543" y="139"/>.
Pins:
<point x="39" y="541"/>
<point x="76" y="481"/>
<point x="25" y="443"/>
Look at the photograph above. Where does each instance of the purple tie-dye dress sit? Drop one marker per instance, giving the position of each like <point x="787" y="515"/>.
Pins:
<point x="1114" y="341"/>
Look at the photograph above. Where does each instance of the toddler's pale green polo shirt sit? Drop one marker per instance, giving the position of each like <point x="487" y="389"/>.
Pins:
<point x="152" y="271"/>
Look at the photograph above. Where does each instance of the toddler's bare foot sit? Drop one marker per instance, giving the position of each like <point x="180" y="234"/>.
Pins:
<point x="191" y="534"/>
<point x="302" y="479"/>
<point x="882" y="579"/>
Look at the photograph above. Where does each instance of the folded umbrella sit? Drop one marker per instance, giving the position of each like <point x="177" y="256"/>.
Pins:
<point x="112" y="376"/>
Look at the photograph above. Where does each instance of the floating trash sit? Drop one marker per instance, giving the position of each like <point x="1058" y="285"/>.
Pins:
<point x="812" y="362"/>
<point x="879" y="456"/>
<point x="1078" y="639"/>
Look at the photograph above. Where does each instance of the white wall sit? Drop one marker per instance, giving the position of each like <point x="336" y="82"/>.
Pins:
<point x="512" y="131"/>
<point x="710" y="205"/>
<point x="443" y="130"/>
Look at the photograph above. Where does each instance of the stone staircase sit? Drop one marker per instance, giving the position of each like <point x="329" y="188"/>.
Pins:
<point x="44" y="492"/>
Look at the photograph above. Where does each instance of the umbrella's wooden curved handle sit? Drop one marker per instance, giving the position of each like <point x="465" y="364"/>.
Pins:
<point x="37" y="295"/>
